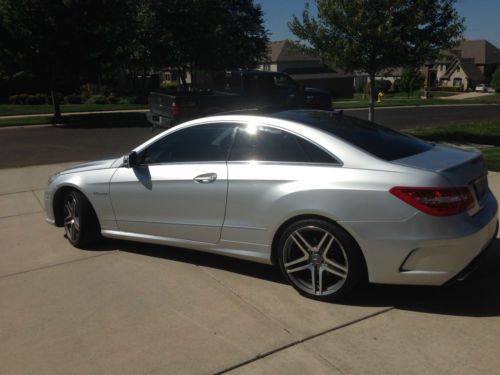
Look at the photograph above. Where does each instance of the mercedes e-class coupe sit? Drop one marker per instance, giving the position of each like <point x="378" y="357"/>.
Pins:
<point x="328" y="198"/>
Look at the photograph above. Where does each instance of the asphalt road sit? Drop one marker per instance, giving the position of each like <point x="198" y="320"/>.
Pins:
<point x="44" y="145"/>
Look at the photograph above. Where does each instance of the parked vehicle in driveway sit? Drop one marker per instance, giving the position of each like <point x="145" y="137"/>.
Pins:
<point x="234" y="90"/>
<point x="484" y="88"/>
<point x="329" y="199"/>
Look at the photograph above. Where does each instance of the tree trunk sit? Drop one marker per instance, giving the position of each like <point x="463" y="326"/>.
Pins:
<point x="371" y="109"/>
<point x="56" y="108"/>
<point x="182" y="76"/>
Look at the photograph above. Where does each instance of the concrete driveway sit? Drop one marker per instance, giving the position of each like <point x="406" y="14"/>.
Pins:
<point x="131" y="308"/>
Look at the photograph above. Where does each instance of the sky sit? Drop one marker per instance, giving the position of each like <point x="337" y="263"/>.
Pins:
<point x="482" y="18"/>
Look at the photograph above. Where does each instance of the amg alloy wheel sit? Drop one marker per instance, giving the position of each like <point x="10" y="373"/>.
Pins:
<point x="320" y="259"/>
<point x="80" y="222"/>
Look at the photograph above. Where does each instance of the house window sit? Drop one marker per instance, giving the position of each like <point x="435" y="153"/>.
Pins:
<point x="457" y="82"/>
<point x="458" y="69"/>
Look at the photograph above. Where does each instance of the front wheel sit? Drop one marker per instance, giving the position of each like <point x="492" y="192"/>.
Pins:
<point x="80" y="222"/>
<point x="320" y="259"/>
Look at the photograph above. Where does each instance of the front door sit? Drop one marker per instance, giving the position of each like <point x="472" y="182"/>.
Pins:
<point x="179" y="189"/>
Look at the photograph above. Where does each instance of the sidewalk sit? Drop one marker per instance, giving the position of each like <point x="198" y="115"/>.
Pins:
<point x="131" y="308"/>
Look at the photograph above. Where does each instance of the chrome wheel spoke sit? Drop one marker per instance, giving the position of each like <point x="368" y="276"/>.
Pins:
<point x="333" y="271"/>
<point x="301" y="268"/>
<point x="320" y="280"/>
<point x="297" y="261"/>
<point x="336" y="264"/>
<point x="76" y="223"/>
<point x="328" y="246"/>
<point x="320" y="245"/>
<point x="299" y="245"/>
<point x="313" y="279"/>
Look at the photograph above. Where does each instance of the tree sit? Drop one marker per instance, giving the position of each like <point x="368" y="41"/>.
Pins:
<point x="62" y="41"/>
<point x="495" y="79"/>
<point x="210" y="34"/>
<point x="411" y="80"/>
<point x="374" y="35"/>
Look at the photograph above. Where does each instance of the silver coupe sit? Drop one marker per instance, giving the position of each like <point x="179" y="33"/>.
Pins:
<point x="329" y="199"/>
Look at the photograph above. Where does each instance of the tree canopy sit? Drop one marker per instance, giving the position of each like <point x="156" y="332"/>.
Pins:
<point x="374" y="35"/>
<point x="67" y="42"/>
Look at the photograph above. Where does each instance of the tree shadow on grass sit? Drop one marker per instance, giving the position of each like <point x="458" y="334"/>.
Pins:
<point x="103" y="120"/>
<point x="477" y="296"/>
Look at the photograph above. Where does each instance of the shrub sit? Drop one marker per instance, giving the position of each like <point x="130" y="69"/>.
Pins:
<point x="73" y="99"/>
<point x="89" y="90"/>
<point x="125" y="99"/>
<point x="447" y="88"/>
<point x="18" y="98"/>
<point x="31" y="99"/>
<point x="113" y="99"/>
<point x="495" y="79"/>
<point x="36" y="99"/>
<point x="382" y="85"/>
<point x="97" y="99"/>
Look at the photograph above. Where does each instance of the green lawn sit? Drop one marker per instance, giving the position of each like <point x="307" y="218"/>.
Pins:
<point x="484" y="133"/>
<point x="26" y="121"/>
<point x="15" y="109"/>
<point x="400" y="100"/>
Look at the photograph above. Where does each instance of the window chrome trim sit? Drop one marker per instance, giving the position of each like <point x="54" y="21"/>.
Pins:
<point x="295" y="163"/>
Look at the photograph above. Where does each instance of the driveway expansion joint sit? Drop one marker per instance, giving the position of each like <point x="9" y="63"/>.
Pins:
<point x="305" y="339"/>
<point x="236" y="294"/>
<point x="58" y="264"/>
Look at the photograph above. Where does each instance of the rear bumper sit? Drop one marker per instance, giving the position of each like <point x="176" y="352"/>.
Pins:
<point x="475" y="263"/>
<point x="158" y="121"/>
<point x="425" y="250"/>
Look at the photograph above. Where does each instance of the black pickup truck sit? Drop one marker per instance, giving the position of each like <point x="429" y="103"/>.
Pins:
<point x="234" y="90"/>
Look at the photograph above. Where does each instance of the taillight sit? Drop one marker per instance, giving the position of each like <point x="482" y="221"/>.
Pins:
<point x="436" y="201"/>
<point x="175" y="108"/>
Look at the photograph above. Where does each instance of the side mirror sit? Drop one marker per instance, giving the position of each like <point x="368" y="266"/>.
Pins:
<point x="131" y="160"/>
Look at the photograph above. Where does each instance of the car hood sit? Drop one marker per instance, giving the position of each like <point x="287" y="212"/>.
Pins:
<point x="90" y="166"/>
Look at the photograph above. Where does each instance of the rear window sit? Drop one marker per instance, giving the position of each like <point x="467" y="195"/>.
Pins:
<point x="375" y="139"/>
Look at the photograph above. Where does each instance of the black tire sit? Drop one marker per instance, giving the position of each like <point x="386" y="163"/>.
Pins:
<point x="311" y="250"/>
<point x="81" y="225"/>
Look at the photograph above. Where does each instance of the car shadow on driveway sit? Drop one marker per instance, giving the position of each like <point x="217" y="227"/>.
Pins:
<point x="477" y="296"/>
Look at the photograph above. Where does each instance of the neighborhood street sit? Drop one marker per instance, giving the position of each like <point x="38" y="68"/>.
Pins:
<point x="45" y="145"/>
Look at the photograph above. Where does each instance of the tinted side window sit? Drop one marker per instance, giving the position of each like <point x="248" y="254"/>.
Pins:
<point x="209" y="142"/>
<point x="316" y="154"/>
<point x="375" y="139"/>
<point x="267" y="144"/>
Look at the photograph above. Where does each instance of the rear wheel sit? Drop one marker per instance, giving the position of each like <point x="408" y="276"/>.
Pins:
<point x="80" y="222"/>
<point x="320" y="259"/>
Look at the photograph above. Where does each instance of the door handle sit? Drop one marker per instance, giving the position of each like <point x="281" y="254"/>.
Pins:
<point x="206" y="178"/>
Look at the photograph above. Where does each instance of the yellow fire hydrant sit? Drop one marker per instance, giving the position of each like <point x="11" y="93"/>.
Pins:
<point x="380" y="95"/>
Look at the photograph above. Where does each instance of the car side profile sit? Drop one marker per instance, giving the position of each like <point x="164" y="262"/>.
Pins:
<point x="328" y="198"/>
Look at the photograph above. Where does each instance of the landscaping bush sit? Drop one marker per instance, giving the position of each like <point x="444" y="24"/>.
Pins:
<point x="382" y="85"/>
<point x="89" y="90"/>
<point x="446" y="88"/>
<point x="18" y="98"/>
<point x="97" y="99"/>
<point x="129" y="100"/>
<point x="36" y="99"/>
<point x="113" y="99"/>
<point x="73" y="99"/>
<point x="28" y="99"/>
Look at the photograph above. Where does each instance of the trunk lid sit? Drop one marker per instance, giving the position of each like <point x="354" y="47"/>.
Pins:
<point x="460" y="167"/>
